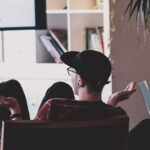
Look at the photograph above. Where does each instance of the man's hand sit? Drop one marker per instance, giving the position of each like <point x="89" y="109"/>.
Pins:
<point x="11" y="103"/>
<point x="115" y="98"/>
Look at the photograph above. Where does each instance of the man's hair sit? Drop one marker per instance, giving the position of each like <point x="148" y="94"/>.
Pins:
<point x="92" y="87"/>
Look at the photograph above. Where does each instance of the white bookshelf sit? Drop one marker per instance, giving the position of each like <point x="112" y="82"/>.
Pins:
<point x="79" y="15"/>
<point x="94" y="11"/>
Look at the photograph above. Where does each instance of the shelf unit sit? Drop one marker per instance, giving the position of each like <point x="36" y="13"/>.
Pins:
<point x="77" y="16"/>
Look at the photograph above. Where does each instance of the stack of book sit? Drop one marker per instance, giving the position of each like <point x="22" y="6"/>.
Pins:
<point x="94" y="39"/>
<point x="56" y="43"/>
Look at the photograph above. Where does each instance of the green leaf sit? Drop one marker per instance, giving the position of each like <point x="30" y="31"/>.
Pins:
<point x="142" y="9"/>
<point x="129" y="7"/>
<point x="136" y="5"/>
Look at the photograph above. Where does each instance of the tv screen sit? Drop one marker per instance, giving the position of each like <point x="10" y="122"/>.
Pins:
<point x="22" y="14"/>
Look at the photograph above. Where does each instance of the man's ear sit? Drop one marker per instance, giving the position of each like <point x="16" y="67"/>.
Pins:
<point x="80" y="81"/>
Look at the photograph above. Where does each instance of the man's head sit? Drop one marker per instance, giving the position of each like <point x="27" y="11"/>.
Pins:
<point x="89" y="68"/>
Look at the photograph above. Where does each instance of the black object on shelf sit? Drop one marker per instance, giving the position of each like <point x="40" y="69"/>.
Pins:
<point x="65" y="7"/>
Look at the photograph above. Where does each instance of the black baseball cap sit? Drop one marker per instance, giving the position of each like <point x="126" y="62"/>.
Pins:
<point x="92" y="65"/>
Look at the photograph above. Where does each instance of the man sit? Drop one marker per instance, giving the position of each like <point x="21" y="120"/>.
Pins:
<point x="89" y="71"/>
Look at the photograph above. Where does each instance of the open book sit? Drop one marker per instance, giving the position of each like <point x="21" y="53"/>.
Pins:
<point x="144" y="89"/>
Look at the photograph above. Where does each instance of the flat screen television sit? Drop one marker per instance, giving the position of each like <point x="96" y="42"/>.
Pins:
<point x="22" y="14"/>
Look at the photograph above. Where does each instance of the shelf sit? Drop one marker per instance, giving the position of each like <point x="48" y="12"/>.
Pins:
<point x="74" y="11"/>
<point x="86" y="11"/>
<point x="80" y="14"/>
<point x="56" y="11"/>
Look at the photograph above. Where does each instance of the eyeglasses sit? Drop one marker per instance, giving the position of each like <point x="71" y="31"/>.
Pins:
<point x="70" y="71"/>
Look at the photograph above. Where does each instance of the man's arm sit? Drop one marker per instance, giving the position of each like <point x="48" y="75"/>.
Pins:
<point x="119" y="96"/>
<point x="13" y="106"/>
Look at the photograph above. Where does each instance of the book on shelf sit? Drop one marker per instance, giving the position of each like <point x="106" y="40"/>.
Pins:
<point x="100" y="32"/>
<point x="55" y="42"/>
<point x="56" y="45"/>
<point x="46" y="41"/>
<point x="94" y="39"/>
<point x="89" y="32"/>
<point x="95" y="42"/>
<point x="60" y="36"/>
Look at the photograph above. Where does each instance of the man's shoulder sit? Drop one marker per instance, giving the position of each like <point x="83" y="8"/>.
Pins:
<point x="87" y="104"/>
<point x="64" y="109"/>
<point x="115" y="110"/>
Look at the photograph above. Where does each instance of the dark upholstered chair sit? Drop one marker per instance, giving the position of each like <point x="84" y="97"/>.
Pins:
<point x="108" y="134"/>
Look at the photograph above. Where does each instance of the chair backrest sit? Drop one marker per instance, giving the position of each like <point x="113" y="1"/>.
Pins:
<point x="109" y="134"/>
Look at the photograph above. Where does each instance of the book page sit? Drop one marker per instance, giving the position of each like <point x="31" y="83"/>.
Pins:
<point x="144" y="89"/>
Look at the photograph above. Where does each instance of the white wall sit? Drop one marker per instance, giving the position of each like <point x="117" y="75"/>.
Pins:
<point x="131" y="62"/>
